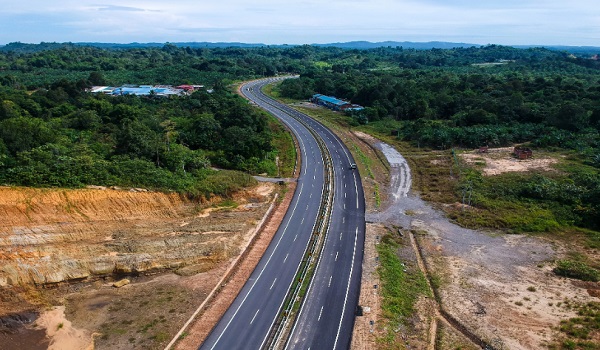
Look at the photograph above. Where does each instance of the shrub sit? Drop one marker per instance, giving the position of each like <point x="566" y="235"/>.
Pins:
<point x="577" y="270"/>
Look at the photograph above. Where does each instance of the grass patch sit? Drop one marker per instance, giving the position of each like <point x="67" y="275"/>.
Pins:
<point x="576" y="269"/>
<point x="399" y="289"/>
<point x="582" y="331"/>
<point x="283" y="143"/>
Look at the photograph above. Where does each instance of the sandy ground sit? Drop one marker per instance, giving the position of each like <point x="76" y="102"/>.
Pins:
<point x="498" y="286"/>
<point x="62" y="333"/>
<point x="501" y="160"/>
<point x="365" y="327"/>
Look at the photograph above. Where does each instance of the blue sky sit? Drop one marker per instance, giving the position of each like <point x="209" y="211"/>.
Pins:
<point x="538" y="22"/>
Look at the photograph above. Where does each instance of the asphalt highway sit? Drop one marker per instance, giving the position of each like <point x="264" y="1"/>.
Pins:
<point x="327" y="315"/>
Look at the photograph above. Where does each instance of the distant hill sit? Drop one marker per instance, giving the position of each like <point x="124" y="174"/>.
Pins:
<point x="577" y="50"/>
<point x="364" y="45"/>
<point x="360" y="45"/>
<point x="179" y="44"/>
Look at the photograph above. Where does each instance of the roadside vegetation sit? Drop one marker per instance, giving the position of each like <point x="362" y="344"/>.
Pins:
<point x="400" y="289"/>
<point x="432" y="105"/>
<point x="55" y="134"/>
<point x="435" y="114"/>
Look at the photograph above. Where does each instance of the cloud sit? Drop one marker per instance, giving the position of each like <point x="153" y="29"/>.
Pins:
<point x="119" y="8"/>
<point x="307" y="21"/>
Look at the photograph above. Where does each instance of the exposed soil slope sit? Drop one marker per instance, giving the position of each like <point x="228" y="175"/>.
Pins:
<point x="50" y="236"/>
<point x="66" y="248"/>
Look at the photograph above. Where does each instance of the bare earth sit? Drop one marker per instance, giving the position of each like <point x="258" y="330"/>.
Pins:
<point x="500" y="160"/>
<point x="500" y="287"/>
<point x="144" y="233"/>
<point x="204" y="323"/>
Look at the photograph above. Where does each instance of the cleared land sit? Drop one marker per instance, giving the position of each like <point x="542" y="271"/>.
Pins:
<point x="172" y="250"/>
<point x="498" y="288"/>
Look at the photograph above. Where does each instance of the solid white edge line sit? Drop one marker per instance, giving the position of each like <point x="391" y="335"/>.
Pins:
<point x="347" y="291"/>
<point x="260" y="274"/>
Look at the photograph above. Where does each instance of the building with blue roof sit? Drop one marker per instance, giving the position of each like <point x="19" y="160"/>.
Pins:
<point x="334" y="103"/>
<point x="141" y="90"/>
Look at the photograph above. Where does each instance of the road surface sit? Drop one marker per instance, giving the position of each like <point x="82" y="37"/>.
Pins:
<point x="327" y="315"/>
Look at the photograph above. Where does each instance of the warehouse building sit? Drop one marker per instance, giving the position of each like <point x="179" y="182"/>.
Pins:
<point x="334" y="103"/>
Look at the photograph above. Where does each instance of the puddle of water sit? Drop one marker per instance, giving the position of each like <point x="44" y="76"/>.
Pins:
<point x="16" y="333"/>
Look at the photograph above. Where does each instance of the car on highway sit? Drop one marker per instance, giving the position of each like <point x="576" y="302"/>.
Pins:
<point x="352" y="166"/>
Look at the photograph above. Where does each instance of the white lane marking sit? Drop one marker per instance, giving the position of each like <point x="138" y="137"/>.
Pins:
<point x="336" y="255"/>
<point x="310" y="196"/>
<point x="341" y="234"/>
<point x="344" y="194"/>
<point x="329" y="285"/>
<point x="344" y="205"/>
<point x="254" y="316"/>
<point x="272" y="284"/>
<point x="260" y="274"/>
<point x="343" y="220"/>
<point x="321" y="312"/>
<point x="347" y="290"/>
<point x="286" y="256"/>
<point x="295" y="237"/>
<point x="301" y="222"/>
<point x="344" y="185"/>
<point x="356" y="190"/>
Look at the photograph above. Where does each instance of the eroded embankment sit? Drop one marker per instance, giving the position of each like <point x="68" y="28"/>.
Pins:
<point x="50" y="235"/>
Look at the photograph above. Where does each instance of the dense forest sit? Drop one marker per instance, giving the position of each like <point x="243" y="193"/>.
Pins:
<point x="489" y="96"/>
<point x="53" y="133"/>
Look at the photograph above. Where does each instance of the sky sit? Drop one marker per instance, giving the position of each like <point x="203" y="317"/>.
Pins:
<point x="506" y="22"/>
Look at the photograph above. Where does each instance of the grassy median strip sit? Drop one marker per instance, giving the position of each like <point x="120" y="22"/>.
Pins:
<point x="400" y="289"/>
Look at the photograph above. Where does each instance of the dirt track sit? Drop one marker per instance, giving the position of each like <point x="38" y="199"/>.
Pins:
<point x="498" y="287"/>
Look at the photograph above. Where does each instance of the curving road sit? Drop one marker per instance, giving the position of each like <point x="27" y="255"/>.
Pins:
<point x="326" y="318"/>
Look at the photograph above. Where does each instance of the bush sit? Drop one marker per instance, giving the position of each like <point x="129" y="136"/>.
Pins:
<point x="577" y="270"/>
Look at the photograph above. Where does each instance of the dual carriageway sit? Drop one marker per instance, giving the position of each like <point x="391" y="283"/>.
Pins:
<point x="326" y="317"/>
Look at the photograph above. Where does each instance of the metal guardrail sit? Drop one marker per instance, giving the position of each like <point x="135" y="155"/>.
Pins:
<point x="287" y="313"/>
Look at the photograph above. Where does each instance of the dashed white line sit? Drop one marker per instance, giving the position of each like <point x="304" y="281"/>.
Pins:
<point x="259" y="274"/>
<point x="341" y="234"/>
<point x="320" y="312"/>
<point x="254" y="316"/>
<point x="329" y="285"/>
<point x="336" y="255"/>
<point x="295" y="237"/>
<point x="286" y="256"/>
<point x="272" y="284"/>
